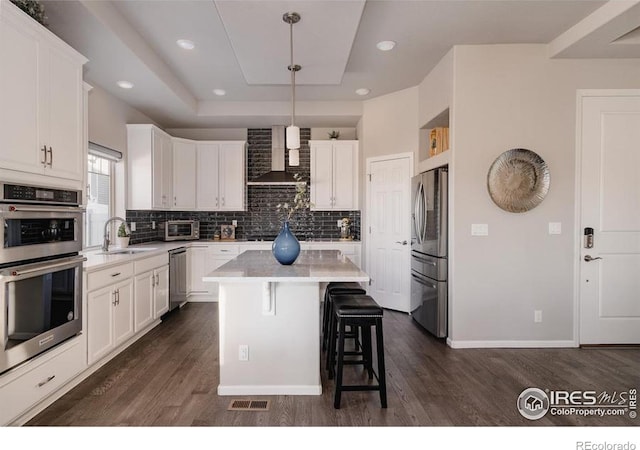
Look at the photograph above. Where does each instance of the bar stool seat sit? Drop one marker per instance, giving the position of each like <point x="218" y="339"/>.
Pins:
<point x="357" y="310"/>
<point x="335" y="288"/>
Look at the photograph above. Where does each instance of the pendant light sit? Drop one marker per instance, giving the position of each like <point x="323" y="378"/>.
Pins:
<point x="293" y="132"/>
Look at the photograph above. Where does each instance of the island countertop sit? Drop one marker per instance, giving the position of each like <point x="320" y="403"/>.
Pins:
<point x="311" y="266"/>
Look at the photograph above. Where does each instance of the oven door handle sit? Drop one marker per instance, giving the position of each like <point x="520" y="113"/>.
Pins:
<point x="44" y="267"/>
<point x="58" y="209"/>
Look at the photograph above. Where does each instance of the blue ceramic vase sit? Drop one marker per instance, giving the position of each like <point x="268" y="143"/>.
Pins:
<point x="286" y="247"/>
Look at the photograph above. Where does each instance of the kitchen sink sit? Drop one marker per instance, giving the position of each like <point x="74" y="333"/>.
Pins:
<point x="128" y="251"/>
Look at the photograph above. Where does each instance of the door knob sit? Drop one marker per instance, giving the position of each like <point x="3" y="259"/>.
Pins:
<point x="401" y="242"/>
<point x="589" y="258"/>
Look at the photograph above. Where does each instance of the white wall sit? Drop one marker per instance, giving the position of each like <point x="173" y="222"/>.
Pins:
<point x="108" y="116"/>
<point x="510" y="96"/>
<point x="107" y="119"/>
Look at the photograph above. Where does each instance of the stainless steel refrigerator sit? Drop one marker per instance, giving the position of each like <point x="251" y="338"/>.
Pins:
<point x="429" y="250"/>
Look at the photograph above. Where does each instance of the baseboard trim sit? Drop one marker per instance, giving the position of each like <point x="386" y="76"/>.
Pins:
<point x="201" y="299"/>
<point x="511" y="344"/>
<point x="270" y="390"/>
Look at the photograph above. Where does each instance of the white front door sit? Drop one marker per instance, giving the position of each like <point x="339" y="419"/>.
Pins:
<point x="388" y="240"/>
<point x="610" y="205"/>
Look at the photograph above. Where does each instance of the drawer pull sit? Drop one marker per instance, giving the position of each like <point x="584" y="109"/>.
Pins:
<point x="116" y="274"/>
<point x="42" y="383"/>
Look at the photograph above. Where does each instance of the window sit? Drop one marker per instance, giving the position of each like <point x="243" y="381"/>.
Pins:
<point x="100" y="188"/>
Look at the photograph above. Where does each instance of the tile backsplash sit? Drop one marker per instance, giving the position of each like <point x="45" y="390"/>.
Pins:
<point x="261" y="220"/>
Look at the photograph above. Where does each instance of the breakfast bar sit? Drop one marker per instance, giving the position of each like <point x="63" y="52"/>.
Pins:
<point x="269" y="320"/>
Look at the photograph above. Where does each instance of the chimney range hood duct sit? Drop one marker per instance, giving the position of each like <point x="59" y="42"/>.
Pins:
<point x="277" y="176"/>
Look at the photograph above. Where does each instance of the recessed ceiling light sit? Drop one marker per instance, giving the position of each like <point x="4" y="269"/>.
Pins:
<point x="125" y="84"/>
<point x="363" y="91"/>
<point x="219" y="92"/>
<point x="385" y="46"/>
<point x="186" y="44"/>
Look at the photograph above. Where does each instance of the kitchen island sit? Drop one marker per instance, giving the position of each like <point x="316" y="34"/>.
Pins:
<point x="269" y="320"/>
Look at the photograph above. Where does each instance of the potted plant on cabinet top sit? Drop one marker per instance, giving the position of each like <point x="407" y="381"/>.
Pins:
<point x="334" y="135"/>
<point x="122" y="239"/>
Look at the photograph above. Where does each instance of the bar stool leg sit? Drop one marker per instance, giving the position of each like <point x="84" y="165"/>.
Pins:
<point x="382" y="379"/>
<point x="367" y="351"/>
<point x="336" y="402"/>
<point x="332" y="334"/>
<point x="325" y="319"/>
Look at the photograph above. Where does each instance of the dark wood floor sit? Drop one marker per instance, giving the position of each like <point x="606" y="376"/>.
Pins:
<point x="170" y="376"/>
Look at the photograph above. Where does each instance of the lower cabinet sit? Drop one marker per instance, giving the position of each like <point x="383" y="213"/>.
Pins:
<point x="151" y="296"/>
<point x="110" y="318"/>
<point x="31" y="383"/>
<point x="201" y="261"/>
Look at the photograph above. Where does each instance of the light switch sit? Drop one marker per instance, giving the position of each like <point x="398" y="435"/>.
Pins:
<point x="234" y="223"/>
<point x="479" y="229"/>
<point x="555" y="228"/>
<point x="132" y="226"/>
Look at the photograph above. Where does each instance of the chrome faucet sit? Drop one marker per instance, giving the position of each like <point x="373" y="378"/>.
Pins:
<point x="105" y="242"/>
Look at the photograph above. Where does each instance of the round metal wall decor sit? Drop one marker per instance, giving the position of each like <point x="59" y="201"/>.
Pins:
<point x="518" y="180"/>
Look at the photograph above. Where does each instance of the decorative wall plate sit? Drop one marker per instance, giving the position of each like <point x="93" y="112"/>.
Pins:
<point x="518" y="180"/>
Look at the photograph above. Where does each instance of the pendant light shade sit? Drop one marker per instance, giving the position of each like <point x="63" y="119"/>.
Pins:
<point x="293" y="137"/>
<point x="293" y="132"/>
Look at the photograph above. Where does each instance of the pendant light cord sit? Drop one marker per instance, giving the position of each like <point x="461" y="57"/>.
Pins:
<point x="292" y="68"/>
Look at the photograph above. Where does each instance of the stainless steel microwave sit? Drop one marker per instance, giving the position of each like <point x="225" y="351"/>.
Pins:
<point x="180" y="230"/>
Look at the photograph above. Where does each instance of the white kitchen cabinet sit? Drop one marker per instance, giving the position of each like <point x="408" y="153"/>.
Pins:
<point x="334" y="175"/>
<point x="110" y="318"/>
<point x="39" y="378"/>
<point x="201" y="261"/>
<point x="151" y="289"/>
<point x="220" y="176"/>
<point x="184" y="169"/>
<point x="41" y="93"/>
<point x="150" y="167"/>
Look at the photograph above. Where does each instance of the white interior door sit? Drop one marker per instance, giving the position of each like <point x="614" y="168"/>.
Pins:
<point x="610" y="204"/>
<point x="388" y="243"/>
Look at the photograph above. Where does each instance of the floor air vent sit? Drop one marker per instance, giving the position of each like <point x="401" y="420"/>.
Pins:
<point x="249" y="405"/>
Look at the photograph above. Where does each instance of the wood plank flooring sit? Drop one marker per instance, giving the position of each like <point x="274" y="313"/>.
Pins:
<point x="170" y="376"/>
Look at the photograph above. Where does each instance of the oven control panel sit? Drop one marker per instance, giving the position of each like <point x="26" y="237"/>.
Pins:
<point x="35" y="194"/>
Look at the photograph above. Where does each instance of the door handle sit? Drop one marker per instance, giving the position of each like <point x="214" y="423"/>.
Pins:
<point x="401" y="242"/>
<point x="44" y="155"/>
<point x="48" y="379"/>
<point x="50" y="156"/>
<point x="589" y="258"/>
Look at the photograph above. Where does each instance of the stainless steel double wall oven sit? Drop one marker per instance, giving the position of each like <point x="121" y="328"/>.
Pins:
<point x="40" y="270"/>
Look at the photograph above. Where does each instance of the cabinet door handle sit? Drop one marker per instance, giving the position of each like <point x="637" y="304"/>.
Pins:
<point x="42" y="383"/>
<point x="222" y="201"/>
<point x="153" y="280"/>
<point x="114" y="302"/>
<point x="50" y="151"/>
<point x="115" y="274"/>
<point x="44" y="155"/>
<point x="157" y="277"/>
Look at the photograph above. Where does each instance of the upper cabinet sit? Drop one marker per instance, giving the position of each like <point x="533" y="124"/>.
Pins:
<point x="181" y="174"/>
<point x="184" y="168"/>
<point x="150" y="167"/>
<point x="334" y="175"/>
<point x="220" y="176"/>
<point x="41" y="119"/>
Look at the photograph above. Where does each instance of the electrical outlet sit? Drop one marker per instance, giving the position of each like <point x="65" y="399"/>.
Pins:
<point x="555" y="228"/>
<point x="132" y="226"/>
<point x="537" y="316"/>
<point x="243" y="353"/>
<point x="234" y="223"/>
<point x="479" y="229"/>
<point x="153" y="224"/>
<point x="339" y="223"/>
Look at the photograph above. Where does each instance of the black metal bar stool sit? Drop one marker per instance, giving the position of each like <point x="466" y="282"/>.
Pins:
<point x="335" y="288"/>
<point x="363" y="312"/>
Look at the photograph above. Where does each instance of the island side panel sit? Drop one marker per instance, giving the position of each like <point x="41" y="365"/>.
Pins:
<point x="284" y="348"/>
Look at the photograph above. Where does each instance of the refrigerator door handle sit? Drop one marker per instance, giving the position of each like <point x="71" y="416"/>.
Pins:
<point x="426" y="261"/>
<point x="421" y="281"/>
<point x="418" y="214"/>
<point x="423" y="204"/>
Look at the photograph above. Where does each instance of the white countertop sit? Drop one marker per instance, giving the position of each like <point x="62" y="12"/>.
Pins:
<point x="311" y="265"/>
<point x="97" y="259"/>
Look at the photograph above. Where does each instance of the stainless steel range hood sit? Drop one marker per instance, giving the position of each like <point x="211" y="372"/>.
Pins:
<point x="277" y="176"/>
